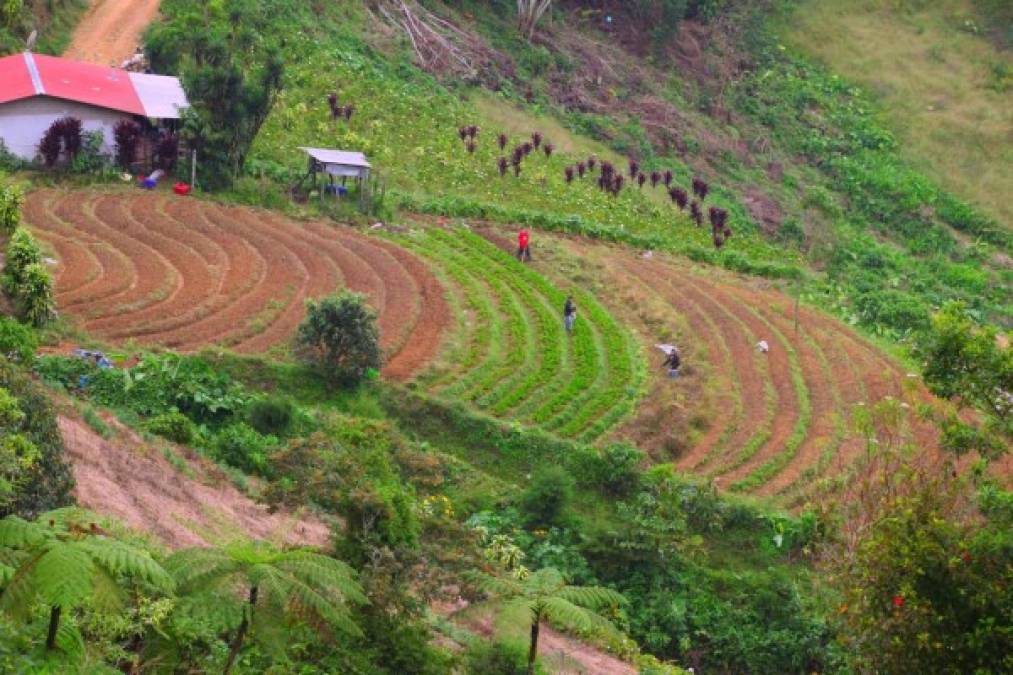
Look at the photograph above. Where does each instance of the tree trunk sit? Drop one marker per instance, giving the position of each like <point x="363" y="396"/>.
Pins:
<point x="237" y="642"/>
<point x="533" y="652"/>
<point x="54" y="624"/>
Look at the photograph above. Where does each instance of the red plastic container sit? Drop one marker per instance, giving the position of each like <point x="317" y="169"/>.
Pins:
<point x="181" y="189"/>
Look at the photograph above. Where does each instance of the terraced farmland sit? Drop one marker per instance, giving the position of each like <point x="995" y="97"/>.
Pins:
<point x="513" y="357"/>
<point x="184" y="274"/>
<point x="778" y="420"/>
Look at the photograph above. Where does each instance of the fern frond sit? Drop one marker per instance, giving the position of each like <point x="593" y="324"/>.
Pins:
<point x="18" y="533"/>
<point x="219" y="612"/>
<point x="121" y="559"/>
<point x="569" y="615"/>
<point x="64" y="575"/>
<point x="20" y="593"/>
<point x="65" y="518"/>
<point x="592" y="597"/>
<point x="106" y="594"/>
<point x="546" y="581"/>
<point x="498" y="586"/>
<point x="200" y="569"/>
<point x="70" y="641"/>
<point x="335" y="614"/>
<point x="6" y="574"/>
<point x="326" y="576"/>
<point x="270" y="630"/>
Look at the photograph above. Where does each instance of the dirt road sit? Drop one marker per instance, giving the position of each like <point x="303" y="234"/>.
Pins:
<point x="111" y="31"/>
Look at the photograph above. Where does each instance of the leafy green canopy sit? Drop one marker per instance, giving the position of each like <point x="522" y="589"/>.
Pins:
<point x="32" y="454"/>
<point x="339" y="337"/>
<point x="227" y="53"/>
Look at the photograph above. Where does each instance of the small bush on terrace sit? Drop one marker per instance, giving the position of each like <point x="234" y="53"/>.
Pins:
<point x="11" y="199"/>
<point x="240" y="445"/>
<point x="339" y="337"/>
<point x="17" y="342"/>
<point x="34" y="300"/>
<point x="272" y="415"/>
<point x="546" y="500"/>
<point x="173" y="426"/>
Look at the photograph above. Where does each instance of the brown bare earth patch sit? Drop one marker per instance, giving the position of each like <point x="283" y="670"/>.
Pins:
<point x="134" y="482"/>
<point x="185" y="274"/>
<point x="111" y="31"/>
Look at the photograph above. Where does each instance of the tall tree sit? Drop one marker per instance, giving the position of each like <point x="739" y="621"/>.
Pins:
<point x="546" y="595"/>
<point x="277" y="584"/>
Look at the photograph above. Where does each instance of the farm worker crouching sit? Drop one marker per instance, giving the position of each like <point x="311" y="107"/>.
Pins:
<point x="569" y="314"/>
<point x="672" y="362"/>
<point x="523" y="246"/>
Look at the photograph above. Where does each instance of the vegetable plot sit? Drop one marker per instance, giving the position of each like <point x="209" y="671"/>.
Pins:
<point x="185" y="274"/>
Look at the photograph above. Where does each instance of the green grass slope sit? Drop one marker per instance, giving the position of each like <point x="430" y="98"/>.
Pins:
<point x="945" y="89"/>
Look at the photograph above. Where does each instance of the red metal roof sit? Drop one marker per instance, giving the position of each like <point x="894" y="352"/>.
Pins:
<point x="87" y="83"/>
<point x="15" y="80"/>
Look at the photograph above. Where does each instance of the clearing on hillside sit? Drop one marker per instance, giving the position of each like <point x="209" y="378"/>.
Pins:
<point x="185" y="274"/>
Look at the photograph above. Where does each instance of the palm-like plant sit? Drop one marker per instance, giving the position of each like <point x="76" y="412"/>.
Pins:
<point x="546" y="595"/>
<point x="277" y="584"/>
<point x="66" y="560"/>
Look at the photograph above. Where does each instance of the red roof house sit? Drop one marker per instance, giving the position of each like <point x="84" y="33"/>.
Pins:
<point x="36" y="90"/>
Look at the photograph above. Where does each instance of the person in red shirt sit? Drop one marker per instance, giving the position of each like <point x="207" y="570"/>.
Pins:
<point x="523" y="246"/>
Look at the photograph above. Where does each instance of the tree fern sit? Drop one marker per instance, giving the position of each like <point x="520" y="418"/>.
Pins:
<point x="277" y="584"/>
<point x="65" y="559"/>
<point x="546" y="595"/>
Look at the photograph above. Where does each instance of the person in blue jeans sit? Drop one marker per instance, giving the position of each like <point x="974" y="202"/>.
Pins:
<point x="569" y="314"/>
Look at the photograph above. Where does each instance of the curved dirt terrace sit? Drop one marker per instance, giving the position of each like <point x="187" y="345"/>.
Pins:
<point x="135" y="483"/>
<point x="161" y="270"/>
<point x="111" y="31"/>
<point x="776" y="422"/>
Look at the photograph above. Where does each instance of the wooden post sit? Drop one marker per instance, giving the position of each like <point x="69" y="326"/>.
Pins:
<point x="798" y="292"/>
<point x="193" y="170"/>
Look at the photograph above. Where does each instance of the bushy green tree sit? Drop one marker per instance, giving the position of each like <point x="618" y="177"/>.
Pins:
<point x="17" y="342"/>
<point x="66" y="560"/>
<point x="546" y="499"/>
<point x="278" y="585"/>
<point x="35" y="301"/>
<point x="47" y="482"/>
<point x="11" y="200"/>
<point x="963" y="360"/>
<point x="545" y="595"/>
<point x="339" y="337"/>
<point x="232" y="72"/>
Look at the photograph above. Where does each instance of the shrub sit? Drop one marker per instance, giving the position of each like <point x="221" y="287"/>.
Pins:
<point x="65" y="135"/>
<point x="496" y="658"/>
<point x="11" y="199"/>
<point x="174" y="426"/>
<point x="240" y="445"/>
<point x="34" y="299"/>
<point x="340" y="338"/>
<point x="22" y="251"/>
<point x="272" y="415"/>
<point x="894" y="309"/>
<point x="47" y="483"/>
<point x="612" y="470"/>
<point x="546" y="499"/>
<point x="126" y="134"/>
<point x="17" y="342"/>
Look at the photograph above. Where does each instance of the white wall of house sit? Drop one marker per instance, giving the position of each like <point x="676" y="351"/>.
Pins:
<point x="23" y="123"/>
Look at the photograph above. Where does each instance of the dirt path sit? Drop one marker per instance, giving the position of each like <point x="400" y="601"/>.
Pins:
<point x="111" y="31"/>
<point x="130" y="480"/>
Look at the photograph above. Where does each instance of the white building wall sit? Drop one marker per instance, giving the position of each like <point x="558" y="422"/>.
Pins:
<point x="23" y="123"/>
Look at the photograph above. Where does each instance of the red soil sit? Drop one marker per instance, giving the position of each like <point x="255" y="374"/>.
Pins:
<point x="135" y="483"/>
<point x="186" y="274"/>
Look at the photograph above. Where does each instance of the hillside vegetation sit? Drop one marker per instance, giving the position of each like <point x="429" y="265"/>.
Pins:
<point x="466" y="483"/>
<point x="944" y="88"/>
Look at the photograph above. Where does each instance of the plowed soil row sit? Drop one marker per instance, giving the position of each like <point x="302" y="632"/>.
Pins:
<point x="729" y="315"/>
<point x="185" y="274"/>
